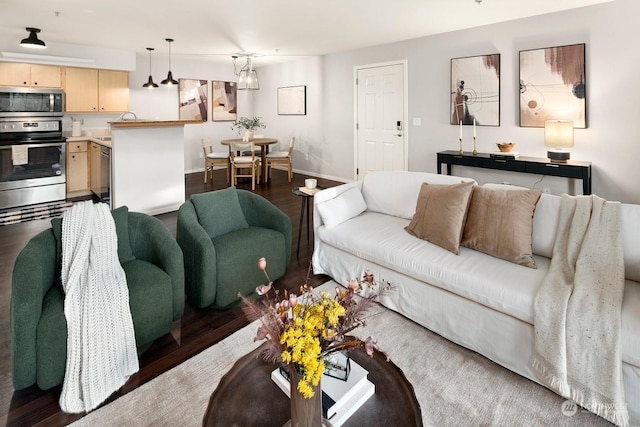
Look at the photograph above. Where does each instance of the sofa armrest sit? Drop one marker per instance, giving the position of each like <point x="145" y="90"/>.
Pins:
<point x="196" y="246"/>
<point x="34" y="273"/>
<point x="259" y="212"/>
<point x="151" y="241"/>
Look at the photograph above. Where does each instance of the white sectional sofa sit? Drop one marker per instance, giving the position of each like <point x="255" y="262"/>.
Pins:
<point x="476" y="300"/>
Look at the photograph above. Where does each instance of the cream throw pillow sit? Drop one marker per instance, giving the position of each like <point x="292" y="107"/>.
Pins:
<point x="440" y="214"/>
<point x="500" y="223"/>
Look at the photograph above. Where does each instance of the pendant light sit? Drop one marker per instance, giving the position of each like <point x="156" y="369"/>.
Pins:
<point x="247" y="76"/>
<point x="150" y="83"/>
<point x="169" y="80"/>
<point x="33" y="41"/>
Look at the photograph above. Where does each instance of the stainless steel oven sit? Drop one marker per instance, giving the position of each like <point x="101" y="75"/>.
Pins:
<point x="30" y="102"/>
<point x="32" y="161"/>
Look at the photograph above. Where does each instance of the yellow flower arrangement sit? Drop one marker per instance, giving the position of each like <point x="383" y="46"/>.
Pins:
<point x="303" y="331"/>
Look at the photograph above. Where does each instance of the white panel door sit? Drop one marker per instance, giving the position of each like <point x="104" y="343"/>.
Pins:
<point x="380" y="119"/>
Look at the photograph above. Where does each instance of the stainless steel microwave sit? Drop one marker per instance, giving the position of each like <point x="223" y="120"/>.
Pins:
<point x="30" y="102"/>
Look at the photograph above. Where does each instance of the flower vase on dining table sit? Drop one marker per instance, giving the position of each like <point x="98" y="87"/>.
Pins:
<point x="305" y="412"/>
<point x="248" y="135"/>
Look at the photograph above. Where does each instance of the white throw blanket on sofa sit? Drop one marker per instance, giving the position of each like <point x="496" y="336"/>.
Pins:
<point x="101" y="346"/>
<point x="577" y="310"/>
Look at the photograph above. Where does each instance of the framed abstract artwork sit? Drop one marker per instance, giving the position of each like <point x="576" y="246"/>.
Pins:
<point x="292" y="100"/>
<point x="475" y="90"/>
<point x="224" y="101"/>
<point x="553" y="86"/>
<point x="193" y="98"/>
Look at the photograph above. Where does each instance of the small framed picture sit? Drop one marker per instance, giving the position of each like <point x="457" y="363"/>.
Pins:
<point x="553" y="86"/>
<point x="475" y="90"/>
<point x="224" y="101"/>
<point x="193" y="99"/>
<point x="292" y="100"/>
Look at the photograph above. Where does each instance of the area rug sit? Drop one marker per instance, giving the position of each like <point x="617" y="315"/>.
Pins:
<point x="454" y="386"/>
<point x="34" y="212"/>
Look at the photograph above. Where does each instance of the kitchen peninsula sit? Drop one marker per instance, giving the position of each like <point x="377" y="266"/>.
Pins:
<point x="147" y="165"/>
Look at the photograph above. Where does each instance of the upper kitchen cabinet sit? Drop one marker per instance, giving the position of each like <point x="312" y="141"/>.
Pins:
<point x="30" y="75"/>
<point x="98" y="91"/>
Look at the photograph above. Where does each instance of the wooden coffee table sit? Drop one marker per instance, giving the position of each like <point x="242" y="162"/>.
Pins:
<point x="246" y="396"/>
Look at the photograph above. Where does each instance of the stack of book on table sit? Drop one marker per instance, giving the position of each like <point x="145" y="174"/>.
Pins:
<point x="309" y="191"/>
<point x="504" y="155"/>
<point x="340" y="399"/>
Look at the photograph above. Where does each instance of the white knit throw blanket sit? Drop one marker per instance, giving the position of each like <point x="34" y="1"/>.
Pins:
<point x="101" y="346"/>
<point x="577" y="310"/>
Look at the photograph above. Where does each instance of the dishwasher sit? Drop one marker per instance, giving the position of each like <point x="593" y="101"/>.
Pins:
<point x="105" y="175"/>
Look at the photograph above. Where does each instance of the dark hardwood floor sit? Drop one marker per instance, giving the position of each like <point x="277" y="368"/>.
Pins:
<point x="197" y="330"/>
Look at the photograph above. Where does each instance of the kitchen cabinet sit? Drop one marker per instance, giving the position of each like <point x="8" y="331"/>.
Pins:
<point x="30" y="75"/>
<point x="94" y="168"/>
<point x="77" y="167"/>
<point x="98" y="91"/>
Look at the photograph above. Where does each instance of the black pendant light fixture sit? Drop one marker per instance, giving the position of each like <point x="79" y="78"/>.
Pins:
<point x="33" y="41"/>
<point x="169" y="80"/>
<point x="150" y="83"/>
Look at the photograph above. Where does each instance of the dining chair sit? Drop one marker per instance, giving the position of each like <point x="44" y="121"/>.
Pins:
<point x="257" y="149"/>
<point x="249" y="163"/>
<point x="282" y="158"/>
<point x="212" y="159"/>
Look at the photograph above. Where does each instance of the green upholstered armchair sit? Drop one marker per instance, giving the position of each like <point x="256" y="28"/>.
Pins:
<point x="222" y="235"/>
<point x="153" y="264"/>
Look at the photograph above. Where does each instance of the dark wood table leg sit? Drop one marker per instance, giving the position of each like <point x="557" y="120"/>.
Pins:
<point x="302" y="210"/>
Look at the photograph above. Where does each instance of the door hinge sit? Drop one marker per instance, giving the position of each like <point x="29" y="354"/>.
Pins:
<point x="357" y="171"/>
<point x="356" y="81"/>
<point x="357" y="126"/>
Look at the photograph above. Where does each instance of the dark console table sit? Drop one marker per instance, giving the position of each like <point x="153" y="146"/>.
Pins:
<point x="535" y="165"/>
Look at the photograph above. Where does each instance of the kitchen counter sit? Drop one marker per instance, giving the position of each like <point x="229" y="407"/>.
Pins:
<point x="152" y="123"/>
<point x="96" y="139"/>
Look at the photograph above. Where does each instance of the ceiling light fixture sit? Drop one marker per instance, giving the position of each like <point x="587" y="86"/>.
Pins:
<point x="150" y="83"/>
<point x="169" y="80"/>
<point x="247" y="76"/>
<point x="33" y="41"/>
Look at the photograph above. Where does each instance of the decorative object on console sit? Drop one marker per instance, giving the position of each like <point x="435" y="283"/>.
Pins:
<point x="302" y="331"/>
<point x="150" y="83"/>
<point x="247" y="76"/>
<point x="441" y="210"/>
<point x="505" y="147"/>
<point x="169" y="80"/>
<point x="558" y="134"/>
<point x="33" y="42"/>
<point x="475" y="90"/>
<point x="553" y="80"/>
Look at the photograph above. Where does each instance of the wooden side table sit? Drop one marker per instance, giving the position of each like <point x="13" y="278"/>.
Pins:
<point x="246" y="396"/>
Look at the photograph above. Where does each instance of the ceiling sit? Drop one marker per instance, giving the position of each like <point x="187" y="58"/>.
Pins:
<point x="276" y="30"/>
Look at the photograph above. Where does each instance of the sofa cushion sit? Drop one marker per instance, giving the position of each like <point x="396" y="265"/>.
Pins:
<point x="219" y="212"/>
<point x="121" y="220"/>
<point x="500" y="223"/>
<point x="341" y="208"/>
<point x="440" y="214"/>
<point x="396" y="192"/>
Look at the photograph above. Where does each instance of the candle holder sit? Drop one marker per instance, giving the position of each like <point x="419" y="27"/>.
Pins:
<point x="461" y="151"/>
<point x="475" y="152"/>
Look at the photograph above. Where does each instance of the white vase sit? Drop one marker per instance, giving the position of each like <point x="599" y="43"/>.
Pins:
<point x="248" y="135"/>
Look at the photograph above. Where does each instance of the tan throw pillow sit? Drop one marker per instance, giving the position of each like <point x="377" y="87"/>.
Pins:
<point x="500" y="223"/>
<point x="440" y="214"/>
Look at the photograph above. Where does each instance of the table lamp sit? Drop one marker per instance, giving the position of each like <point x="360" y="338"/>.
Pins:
<point x="558" y="134"/>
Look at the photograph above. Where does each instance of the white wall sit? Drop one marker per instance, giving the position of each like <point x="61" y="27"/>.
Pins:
<point x="613" y="64"/>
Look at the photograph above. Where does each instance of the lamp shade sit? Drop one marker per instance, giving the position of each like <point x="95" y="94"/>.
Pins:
<point x="169" y="80"/>
<point x="558" y="134"/>
<point x="33" y="41"/>
<point x="248" y="80"/>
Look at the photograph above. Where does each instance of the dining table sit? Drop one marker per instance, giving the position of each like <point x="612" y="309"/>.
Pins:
<point x="263" y="143"/>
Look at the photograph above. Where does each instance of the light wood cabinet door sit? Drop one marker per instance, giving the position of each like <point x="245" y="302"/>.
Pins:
<point x="77" y="166"/>
<point x="13" y="74"/>
<point x="46" y="76"/>
<point x="30" y="75"/>
<point x="81" y="87"/>
<point x="94" y="168"/>
<point x="113" y="91"/>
